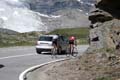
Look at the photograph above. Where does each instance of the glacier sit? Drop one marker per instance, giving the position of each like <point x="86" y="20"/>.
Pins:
<point x="16" y="16"/>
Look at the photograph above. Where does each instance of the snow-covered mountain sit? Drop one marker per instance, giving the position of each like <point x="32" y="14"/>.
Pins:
<point x="43" y="15"/>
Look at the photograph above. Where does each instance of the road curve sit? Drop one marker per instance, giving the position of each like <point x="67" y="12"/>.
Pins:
<point x="24" y="75"/>
<point x="15" y="60"/>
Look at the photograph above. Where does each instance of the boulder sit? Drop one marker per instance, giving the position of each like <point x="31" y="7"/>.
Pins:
<point x="100" y="16"/>
<point x="105" y="25"/>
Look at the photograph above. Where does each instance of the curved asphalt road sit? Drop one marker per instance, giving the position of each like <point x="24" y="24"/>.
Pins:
<point x="17" y="59"/>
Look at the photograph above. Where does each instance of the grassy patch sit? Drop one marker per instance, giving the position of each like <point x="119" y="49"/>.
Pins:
<point x="106" y="50"/>
<point x="25" y="39"/>
<point x="104" y="78"/>
<point x="17" y="40"/>
<point x="80" y="33"/>
<point x="17" y="43"/>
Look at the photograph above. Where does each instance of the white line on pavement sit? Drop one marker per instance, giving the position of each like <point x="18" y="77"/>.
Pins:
<point x="22" y="75"/>
<point x="16" y="56"/>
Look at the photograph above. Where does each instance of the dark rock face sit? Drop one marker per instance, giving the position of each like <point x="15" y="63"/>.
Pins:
<point x="111" y="6"/>
<point x="51" y="6"/>
<point x="105" y="25"/>
<point x="47" y="8"/>
<point x="100" y="16"/>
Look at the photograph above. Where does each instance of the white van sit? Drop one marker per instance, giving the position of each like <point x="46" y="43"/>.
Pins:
<point x="44" y="43"/>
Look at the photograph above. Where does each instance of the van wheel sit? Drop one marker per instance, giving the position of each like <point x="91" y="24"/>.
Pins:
<point x="64" y="51"/>
<point x="38" y="52"/>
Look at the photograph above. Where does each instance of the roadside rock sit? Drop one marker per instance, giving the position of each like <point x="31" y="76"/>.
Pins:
<point x="105" y="27"/>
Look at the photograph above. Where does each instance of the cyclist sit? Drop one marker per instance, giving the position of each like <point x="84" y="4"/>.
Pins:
<point x="55" y="44"/>
<point x="55" y="41"/>
<point x="72" y="43"/>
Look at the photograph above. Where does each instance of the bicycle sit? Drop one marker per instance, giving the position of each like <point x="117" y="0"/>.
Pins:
<point x="72" y="51"/>
<point x="54" y="52"/>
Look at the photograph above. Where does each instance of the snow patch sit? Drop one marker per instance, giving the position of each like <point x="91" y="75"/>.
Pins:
<point x="15" y="3"/>
<point x="87" y="14"/>
<point x="16" y="13"/>
<point x="12" y="0"/>
<point x="16" y="0"/>
<point x="43" y="15"/>
<point x="53" y="16"/>
<point x="92" y="5"/>
<point x="2" y="9"/>
<point x="4" y="18"/>
<point x="81" y="10"/>
<point x="49" y="16"/>
<point x="79" y="0"/>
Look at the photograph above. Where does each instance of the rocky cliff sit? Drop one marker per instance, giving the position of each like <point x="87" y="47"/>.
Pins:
<point x="105" y="25"/>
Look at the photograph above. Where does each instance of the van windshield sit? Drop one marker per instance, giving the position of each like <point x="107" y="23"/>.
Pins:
<point x="45" y="38"/>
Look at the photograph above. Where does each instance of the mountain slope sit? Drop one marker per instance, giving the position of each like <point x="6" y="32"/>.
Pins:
<point x="43" y="15"/>
<point x="51" y="6"/>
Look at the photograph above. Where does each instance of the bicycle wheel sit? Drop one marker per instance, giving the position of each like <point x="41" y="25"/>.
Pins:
<point x="54" y="53"/>
<point x="75" y="52"/>
<point x="68" y="52"/>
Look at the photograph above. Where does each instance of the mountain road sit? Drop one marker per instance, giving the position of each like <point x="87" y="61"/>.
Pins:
<point x="14" y="60"/>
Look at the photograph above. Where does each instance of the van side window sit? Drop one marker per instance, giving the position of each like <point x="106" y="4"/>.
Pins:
<point x="62" y="37"/>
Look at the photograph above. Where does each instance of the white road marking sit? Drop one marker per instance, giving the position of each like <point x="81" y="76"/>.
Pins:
<point x="16" y="56"/>
<point x="22" y="76"/>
